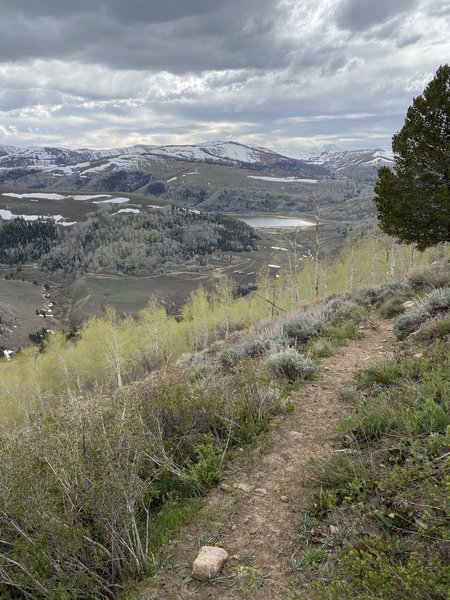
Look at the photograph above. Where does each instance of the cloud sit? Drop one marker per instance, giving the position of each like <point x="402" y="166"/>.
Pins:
<point x="360" y="15"/>
<point x="174" y="35"/>
<point x="273" y="72"/>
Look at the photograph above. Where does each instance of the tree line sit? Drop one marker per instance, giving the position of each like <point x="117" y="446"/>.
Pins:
<point x="135" y="244"/>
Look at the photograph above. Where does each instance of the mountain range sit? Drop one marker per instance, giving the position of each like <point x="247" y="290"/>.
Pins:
<point x="85" y="162"/>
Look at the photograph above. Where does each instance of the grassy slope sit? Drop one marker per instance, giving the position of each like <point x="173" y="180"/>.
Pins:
<point x="379" y="526"/>
<point x="22" y="298"/>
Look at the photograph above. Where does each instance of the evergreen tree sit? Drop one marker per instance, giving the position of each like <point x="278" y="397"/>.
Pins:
<point x="414" y="201"/>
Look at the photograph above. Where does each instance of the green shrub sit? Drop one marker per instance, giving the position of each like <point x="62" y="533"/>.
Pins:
<point x="321" y="347"/>
<point x="394" y="306"/>
<point x="325" y="500"/>
<point x="377" y="295"/>
<point x="344" y="474"/>
<point x="291" y="365"/>
<point x="434" y="329"/>
<point x="438" y="300"/>
<point x="435" y="302"/>
<point x="254" y="347"/>
<point x="308" y="323"/>
<point x="373" y="568"/>
<point x="410" y="321"/>
<point x="431" y="278"/>
<point x="206" y="468"/>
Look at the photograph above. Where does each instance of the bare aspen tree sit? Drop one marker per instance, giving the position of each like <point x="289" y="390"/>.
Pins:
<point x="223" y="302"/>
<point x="412" y="263"/>
<point x="393" y="261"/>
<point x="317" y="248"/>
<point x="112" y="344"/>
<point x="374" y="258"/>
<point x="351" y="273"/>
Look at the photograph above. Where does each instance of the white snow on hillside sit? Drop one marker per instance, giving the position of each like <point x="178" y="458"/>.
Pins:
<point x="118" y="200"/>
<point x="213" y="151"/>
<point x="282" y="179"/>
<point x="92" y="197"/>
<point x="7" y="215"/>
<point x="128" y="210"/>
<point x="36" y="195"/>
<point x="86" y="162"/>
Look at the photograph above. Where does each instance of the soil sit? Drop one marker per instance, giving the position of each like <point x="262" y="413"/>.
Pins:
<point x="253" y="516"/>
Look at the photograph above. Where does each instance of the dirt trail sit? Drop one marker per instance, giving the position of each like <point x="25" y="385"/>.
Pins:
<point x="256" y="523"/>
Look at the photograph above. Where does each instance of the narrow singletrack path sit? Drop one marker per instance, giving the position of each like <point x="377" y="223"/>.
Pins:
<point x="254" y="519"/>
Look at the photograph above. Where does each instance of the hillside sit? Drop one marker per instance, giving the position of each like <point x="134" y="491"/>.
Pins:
<point x="218" y="176"/>
<point x="124" y="240"/>
<point x="346" y="497"/>
<point x="245" y="412"/>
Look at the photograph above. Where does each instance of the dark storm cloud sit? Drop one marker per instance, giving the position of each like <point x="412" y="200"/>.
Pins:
<point x="175" y="35"/>
<point x="360" y="15"/>
<point x="272" y="72"/>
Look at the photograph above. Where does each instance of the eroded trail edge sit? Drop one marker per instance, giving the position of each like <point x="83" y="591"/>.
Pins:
<point x="253" y="515"/>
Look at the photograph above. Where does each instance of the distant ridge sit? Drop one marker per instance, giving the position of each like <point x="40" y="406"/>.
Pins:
<point x="66" y="161"/>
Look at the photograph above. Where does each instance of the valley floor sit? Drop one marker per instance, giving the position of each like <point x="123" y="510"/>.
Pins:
<point x="253" y="514"/>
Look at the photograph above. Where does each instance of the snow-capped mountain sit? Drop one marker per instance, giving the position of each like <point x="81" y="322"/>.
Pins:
<point x="219" y="152"/>
<point x="338" y="161"/>
<point x="87" y="163"/>
<point x="46" y="158"/>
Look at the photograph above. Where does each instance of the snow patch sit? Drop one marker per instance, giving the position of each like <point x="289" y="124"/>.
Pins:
<point x="7" y="215"/>
<point x="118" y="200"/>
<point x="94" y="197"/>
<point x="128" y="210"/>
<point x="36" y="195"/>
<point x="282" y="179"/>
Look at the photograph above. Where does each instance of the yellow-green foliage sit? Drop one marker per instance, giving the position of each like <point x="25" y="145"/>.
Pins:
<point x="112" y="351"/>
<point x="366" y="259"/>
<point x="82" y="480"/>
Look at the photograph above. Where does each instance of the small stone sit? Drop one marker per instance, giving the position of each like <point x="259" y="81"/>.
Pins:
<point x="233" y="527"/>
<point x="209" y="562"/>
<point x="246" y="520"/>
<point x="244" y="487"/>
<point x="254" y="531"/>
<point x="409" y="304"/>
<point x="226" y="488"/>
<point x="333" y="529"/>
<point x="418" y="355"/>
<point x="260" y="491"/>
<point x="284" y="499"/>
<point x="240" y="449"/>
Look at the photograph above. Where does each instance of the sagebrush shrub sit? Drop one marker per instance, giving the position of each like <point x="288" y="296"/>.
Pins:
<point x="377" y="295"/>
<point x="410" y="321"/>
<point x="291" y="364"/>
<point x="307" y="324"/>
<point x="435" y="328"/>
<point x="438" y="300"/>
<point x="431" y="278"/>
<point x="434" y="303"/>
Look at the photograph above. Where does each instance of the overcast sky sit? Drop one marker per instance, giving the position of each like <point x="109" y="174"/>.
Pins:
<point x="280" y="73"/>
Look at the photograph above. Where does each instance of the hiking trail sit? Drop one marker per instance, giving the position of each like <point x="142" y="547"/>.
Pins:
<point x="266" y="487"/>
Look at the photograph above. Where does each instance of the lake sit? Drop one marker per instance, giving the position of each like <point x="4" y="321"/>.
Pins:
<point x="271" y="222"/>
